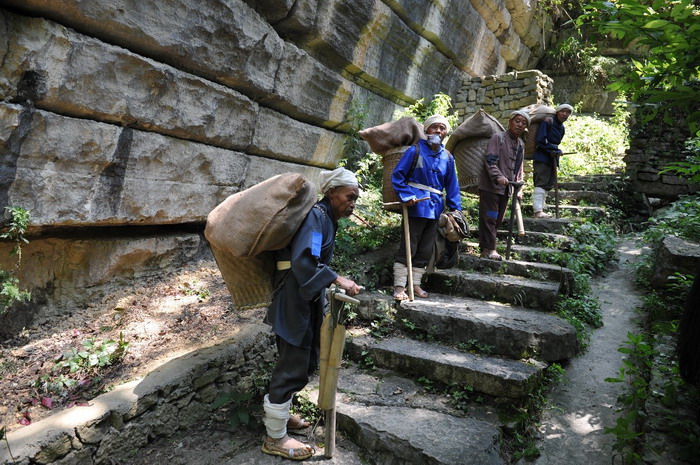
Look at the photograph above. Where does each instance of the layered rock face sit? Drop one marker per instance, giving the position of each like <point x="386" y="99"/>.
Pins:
<point x="124" y="122"/>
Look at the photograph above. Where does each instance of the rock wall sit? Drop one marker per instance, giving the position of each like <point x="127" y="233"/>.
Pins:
<point x="500" y="95"/>
<point x="124" y="122"/>
<point x="653" y="146"/>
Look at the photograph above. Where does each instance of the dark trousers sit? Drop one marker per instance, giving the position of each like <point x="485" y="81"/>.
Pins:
<point x="291" y="374"/>
<point x="492" y="209"/>
<point x="422" y="232"/>
<point x="544" y="175"/>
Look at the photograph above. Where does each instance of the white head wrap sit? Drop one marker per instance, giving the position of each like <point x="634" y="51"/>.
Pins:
<point x="339" y="177"/>
<point x="565" y="106"/>
<point x="436" y="119"/>
<point x="521" y="113"/>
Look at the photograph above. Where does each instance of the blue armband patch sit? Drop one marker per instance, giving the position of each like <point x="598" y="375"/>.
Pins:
<point x="316" y="241"/>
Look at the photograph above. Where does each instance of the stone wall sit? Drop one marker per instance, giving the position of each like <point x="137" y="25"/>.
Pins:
<point x="177" y="395"/>
<point x="124" y="122"/>
<point x="652" y="147"/>
<point x="500" y="95"/>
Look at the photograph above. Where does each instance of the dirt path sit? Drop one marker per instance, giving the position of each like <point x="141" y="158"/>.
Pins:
<point x="583" y="404"/>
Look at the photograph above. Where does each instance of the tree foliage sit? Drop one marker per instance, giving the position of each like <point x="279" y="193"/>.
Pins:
<point x="666" y="74"/>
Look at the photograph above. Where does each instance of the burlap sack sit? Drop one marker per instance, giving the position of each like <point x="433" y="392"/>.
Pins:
<point x="247" y="225"/>
<point x="468" y="144"/>
<point x="263" y="217"/>
<point x="387" y="136"/>
<point x="538" y="113"/>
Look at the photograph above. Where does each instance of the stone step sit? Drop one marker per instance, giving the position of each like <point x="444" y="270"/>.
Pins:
<point x="413" y="436"/>
<point x="522" y="252"/>
<point x="392" y="417"/>
<point x="575" y="197"/>
<point x="494" y="376"/>
<point x="515" y="290"/>
<point x="534" y="270"/>
<point x="531" y="238"/>
<point x="547" y="225"/>
<point x="493" y="328"/>
<point x="571" y="211"/>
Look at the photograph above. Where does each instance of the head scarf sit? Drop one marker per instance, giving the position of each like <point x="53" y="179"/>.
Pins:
<point x="521" y="113"/>
<point x="436" y="119"/>
<point x="339" y="177"/>
<point x="565" y="106"/>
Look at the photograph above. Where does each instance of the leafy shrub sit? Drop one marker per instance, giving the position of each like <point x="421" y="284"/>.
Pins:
<point x="596" y="145"/>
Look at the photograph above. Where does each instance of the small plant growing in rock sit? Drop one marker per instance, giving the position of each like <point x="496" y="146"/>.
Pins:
<point x="16" y="225"/>
<point x="239" y="405"/>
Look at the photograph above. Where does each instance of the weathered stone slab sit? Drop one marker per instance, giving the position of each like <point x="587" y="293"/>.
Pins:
<point x="46" y="60"/>
<point x="548" y="225"/>
<point x="535" y="270"/>
<point x="70" y="171"/>
<point x="675" y="255"/>
<point x="577" y="196"/>
<point x="498" y="377"/>
<point x="61" y="272"/>
<point x="405" y="435"/>
<point x="509" y="289"/>
<point x="513" y="332"/>
<point x="367" y="41"/>
<point x="224" y="41"/>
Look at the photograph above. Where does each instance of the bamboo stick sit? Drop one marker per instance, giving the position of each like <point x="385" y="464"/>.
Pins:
<point x="327" y="393"/>
<point x="325" y="348"/>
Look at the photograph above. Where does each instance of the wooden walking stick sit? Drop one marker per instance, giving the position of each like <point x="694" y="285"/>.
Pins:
<point x="513" y="207"/>
<point x="407" y="237"/>
<point x="332" y="342"/>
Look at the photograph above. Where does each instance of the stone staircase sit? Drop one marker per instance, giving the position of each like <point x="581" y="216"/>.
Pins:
<point x="435" y="389"/>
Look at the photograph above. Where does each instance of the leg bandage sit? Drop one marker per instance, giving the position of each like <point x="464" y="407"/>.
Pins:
<point x="417" y="275"/>
<point x="400" y="274"/>
<point x="538" y="196"/>
<point x="276" y="417"/>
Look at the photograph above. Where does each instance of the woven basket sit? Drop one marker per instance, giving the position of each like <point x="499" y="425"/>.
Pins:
<point x="530" y="140"/>
<point x="469" y="157"/>
<point x="389" y="161"/>
<point x="248" y="279"/>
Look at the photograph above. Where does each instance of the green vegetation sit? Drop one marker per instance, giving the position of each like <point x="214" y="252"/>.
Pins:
<point x="594" y="145"/>
<point x="665" y="71"/>
<point x="16" y="226"/>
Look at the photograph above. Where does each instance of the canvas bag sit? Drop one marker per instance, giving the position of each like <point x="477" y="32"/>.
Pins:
<point x="245" y="227"/>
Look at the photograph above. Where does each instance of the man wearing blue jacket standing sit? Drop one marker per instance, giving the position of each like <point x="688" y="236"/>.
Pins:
<point x="425" y="170"/>
<point x="545" y="160"/>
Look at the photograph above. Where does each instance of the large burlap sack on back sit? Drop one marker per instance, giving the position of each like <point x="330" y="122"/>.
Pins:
<point x="468" y="144"/>
<point x="538" y="113"/>
<point x="244" y="227"/>
<point x="403" y="132"/>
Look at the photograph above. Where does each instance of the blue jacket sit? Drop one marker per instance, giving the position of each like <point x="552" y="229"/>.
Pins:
<point x="433" y="169"/>
<point x="549" y="136"/>
<point x="297" y="305"/>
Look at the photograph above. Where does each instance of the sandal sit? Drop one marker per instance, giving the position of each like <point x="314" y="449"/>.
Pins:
<point x="418" y="292"/>
<point x="270" y="447"/>
<point x="295" y="422"/>
<point x="541" y="215"/>
<point x="491" y="255"/>
<point x="400" y="294"/>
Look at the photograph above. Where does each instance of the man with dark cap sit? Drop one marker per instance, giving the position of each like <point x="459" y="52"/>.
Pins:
<point x="416" y="176"/>
<point x="545" y="160"/>
<point x="297" y="308"/>
<point x="503" y="163"/>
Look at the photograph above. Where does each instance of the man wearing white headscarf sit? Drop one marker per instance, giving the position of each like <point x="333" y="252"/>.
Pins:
<point x="545" y="160"/>
<point x="425" y="170"/>
<point x="296" y="311"/>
